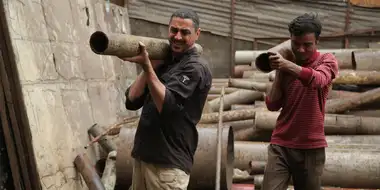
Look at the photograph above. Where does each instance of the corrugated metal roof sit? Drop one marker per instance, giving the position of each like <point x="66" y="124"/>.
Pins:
<point x="257" y="18"/>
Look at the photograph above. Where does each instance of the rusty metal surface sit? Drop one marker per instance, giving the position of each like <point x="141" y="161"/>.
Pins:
<point x="344" y="104"/>
<point x="258" y="181"/>
<point x="353" y="139"/>
<point x="345" y="167"/>
<point x="366" y="3"/>
<point x="259" y="18"/>
<point x="203" y="172"/>
<point x="126" y="45"/>
<point x="241" y="186"/>
<point x="246" y="151"/>
<point x="345" y="57"/>
<point x="245" y="57"/>
<point x="239" y="70"/>
<point x="88" y="172"/>
<point x="333" y="123"/>
<point x="105" y="143"/>
<point x="352" y="77"/>
<point x="256" y="167"/>
<point x="368" y="59"/>
<point x="284" y="49"/>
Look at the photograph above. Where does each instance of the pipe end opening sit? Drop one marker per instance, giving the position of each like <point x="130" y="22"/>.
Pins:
<point x="262" y="63"/>
<point x="99" y="42"/>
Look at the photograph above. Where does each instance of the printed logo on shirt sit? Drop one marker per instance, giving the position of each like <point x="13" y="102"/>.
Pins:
<point x="184" y="79"/>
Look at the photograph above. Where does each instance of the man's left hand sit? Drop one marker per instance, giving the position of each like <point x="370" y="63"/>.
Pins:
<point x="278" y="62"/>
<point x="142" y="58"/>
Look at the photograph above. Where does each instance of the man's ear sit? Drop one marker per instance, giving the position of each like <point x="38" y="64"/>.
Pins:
<point x="198" y="32"/>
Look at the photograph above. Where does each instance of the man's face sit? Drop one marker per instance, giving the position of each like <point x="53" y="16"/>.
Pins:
<point x="182" y="34"/>
<point x="304" y="46"/>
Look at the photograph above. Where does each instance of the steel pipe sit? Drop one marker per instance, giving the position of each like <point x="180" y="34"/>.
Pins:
<point x="334" y="123"/>
<point x="203" y="172"/>
<point x="246" y="151"/>
<point x="88" y="172"/>
<point x="246" y="57"/>
<point x="239" y="70"/>
<point x="125" y="45"/>
<point x="284" y="49"/>
<point x="367" y="59"/>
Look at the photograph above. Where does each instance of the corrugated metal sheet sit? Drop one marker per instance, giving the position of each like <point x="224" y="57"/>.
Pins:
<point x="258" y="18"/>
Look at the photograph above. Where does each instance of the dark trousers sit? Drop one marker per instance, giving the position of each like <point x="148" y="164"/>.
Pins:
<point x="303" y="166"/>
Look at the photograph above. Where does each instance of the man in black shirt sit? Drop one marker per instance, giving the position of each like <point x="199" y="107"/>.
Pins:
<point x="172" y="93"/>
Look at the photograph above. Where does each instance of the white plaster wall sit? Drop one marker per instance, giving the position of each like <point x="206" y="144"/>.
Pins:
<point x="66" y="87"/>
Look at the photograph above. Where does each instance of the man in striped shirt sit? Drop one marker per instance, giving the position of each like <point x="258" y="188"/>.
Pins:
<point x="297" y="148"/>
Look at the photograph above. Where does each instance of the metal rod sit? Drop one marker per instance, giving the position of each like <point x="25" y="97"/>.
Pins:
<point x="219" y="144"/>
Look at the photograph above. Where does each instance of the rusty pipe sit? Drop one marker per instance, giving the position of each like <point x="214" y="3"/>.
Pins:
<point x="284" y="49"/>
<point x="346" y="165"/>
<point x="258" y="181"/>
<point x="353" y="58"/>
<point x="367" y="59"/>
<point x="105" y="143"/>
<point x="246" y="57"/>
<point x="203" y="172"/>
<point x="256" y="167"/>
<point x="239" y="70"/>
<point x="88" y="172"/>
<point x="125" y="45"/>
<point x="334" y="123"/>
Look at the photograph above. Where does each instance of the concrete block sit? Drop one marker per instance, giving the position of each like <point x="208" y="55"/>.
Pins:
<point x="59" y="21"/>
<point x="106" y="102"/>
<point x="67" y="60"/>
<point x="62" y="115"/>
<point x="26" y="20"/>
<point x="35" y="61"/>
<point x="91" y="63"/>
<point x="84" y="14"/>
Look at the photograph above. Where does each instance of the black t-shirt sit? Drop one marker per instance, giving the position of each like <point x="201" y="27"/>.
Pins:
<point x="170" y="138"/>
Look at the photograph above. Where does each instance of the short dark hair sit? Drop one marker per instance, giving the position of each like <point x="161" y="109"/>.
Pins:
<point x="306" y="23"/>
<point x="185" y="13"/>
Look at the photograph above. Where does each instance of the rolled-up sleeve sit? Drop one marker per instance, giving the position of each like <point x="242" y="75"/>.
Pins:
<point x="179" y="87"/>
<point x="137" y="103"/>
<point x="322" y="75"/>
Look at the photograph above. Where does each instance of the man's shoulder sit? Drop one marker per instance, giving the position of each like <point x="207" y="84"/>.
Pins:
<point x="200" y="64"/>
<point x="328" y="57"/>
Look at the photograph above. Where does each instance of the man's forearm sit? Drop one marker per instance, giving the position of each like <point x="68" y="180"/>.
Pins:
<point x="138" y="86"/>
<point x="274" y="92"/>
<point x="293" y="69"/>
<point x="156" y="88"/>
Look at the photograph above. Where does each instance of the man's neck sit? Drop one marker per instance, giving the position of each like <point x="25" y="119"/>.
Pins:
<point x="310" y="60"/>
<point x="180" y="54"/>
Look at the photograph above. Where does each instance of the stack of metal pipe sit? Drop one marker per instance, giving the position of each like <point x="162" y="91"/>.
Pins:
<point x="352" y="119"/>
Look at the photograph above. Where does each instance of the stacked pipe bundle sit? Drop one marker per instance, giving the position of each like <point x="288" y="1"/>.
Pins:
<point x="352" y="119"/>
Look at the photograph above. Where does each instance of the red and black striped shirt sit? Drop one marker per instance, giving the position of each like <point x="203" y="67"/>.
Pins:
<point x="301" y="121"/>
